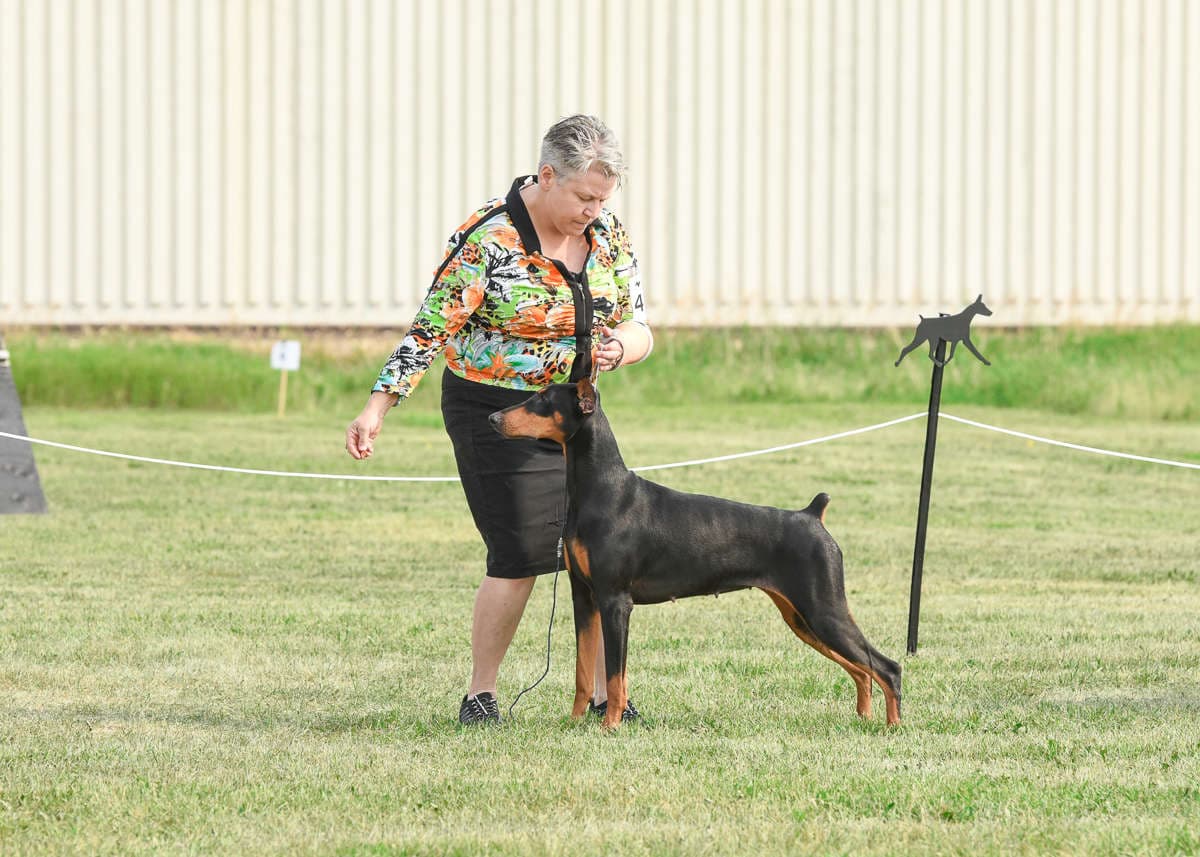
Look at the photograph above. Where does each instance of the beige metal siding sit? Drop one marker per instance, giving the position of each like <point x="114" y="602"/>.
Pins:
<point x="855" y="162"/>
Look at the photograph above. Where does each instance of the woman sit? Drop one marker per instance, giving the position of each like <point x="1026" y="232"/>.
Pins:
<point x="535" y="288"/>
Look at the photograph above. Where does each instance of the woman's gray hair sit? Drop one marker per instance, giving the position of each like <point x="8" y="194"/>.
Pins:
<point x="577" y="143"/>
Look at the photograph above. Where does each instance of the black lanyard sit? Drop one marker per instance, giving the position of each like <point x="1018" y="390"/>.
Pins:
<point x="580" y="293"/>
<point x="584" y="314"/>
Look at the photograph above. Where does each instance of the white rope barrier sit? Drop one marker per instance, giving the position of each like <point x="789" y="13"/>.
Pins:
<point x="358" y="478"/>
<point x="170" y="463"/>
<point x="350" y="477"/>
<point x="1074" y="446"/>
<point x="827" y="437"/>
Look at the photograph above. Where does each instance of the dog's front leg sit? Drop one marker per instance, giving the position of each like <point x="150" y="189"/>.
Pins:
<point x="971" y="345"/>
<point x="614" y="618"/>
<point x="587" y="640"/>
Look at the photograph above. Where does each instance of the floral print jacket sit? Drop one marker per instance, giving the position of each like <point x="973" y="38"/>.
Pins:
<point x="503" y="313"/>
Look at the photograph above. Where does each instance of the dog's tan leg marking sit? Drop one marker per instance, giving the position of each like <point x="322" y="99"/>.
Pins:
<point x="860" y="674"/>
<point x="893" y="705"/>
<point x="618" y="696"/>
<point x="583" y="561"/>
<point x="587" y="641"/>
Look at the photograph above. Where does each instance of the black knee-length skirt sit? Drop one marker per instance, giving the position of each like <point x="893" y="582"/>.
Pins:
<point x="516" y="489"/>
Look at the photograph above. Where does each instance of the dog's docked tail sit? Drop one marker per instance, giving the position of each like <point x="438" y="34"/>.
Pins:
<point x="817" y="507"/>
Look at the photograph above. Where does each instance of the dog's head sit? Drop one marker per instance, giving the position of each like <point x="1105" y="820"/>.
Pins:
<point x="554" y="413"/>
<point x="981" y="307"/>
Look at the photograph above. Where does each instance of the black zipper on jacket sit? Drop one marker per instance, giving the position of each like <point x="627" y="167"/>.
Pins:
<point x="582" y="295"/>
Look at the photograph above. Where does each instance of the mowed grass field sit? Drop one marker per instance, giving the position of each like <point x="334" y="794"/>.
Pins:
<point x="195" y="662"/>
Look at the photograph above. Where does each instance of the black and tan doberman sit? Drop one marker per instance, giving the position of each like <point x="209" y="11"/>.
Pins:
<point x="629" y="541"/>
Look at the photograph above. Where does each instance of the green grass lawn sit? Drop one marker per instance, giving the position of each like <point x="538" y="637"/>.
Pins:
<point x="196" y="662"/>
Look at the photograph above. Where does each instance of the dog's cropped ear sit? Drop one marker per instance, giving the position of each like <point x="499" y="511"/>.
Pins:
<point x="587" y="396"/>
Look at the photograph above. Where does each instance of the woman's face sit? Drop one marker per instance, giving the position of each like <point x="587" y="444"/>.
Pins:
<point x="572" y="202"/>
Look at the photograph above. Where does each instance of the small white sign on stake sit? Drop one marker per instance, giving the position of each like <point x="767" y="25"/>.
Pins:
<point x="285" y="356"/>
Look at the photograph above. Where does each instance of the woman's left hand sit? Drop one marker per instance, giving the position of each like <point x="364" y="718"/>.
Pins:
<point x="611" y="351"/>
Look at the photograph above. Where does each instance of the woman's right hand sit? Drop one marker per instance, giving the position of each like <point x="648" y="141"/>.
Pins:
<point x="361" y="433"/>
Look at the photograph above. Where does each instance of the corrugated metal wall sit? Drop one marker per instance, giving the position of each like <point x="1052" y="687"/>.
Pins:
<point x="854" y="162"/>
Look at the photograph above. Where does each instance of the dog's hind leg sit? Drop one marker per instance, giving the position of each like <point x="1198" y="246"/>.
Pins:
<point x="933" y="344"/>
<point x="842" y="635"/>
<point x="862" y="679"/>
<point x="843" y="643"/>
<point x="911" y="346"/>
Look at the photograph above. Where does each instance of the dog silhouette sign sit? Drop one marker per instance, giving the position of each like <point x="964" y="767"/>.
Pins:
<point x="936" y="331"/>
<point x="948" y="328"/>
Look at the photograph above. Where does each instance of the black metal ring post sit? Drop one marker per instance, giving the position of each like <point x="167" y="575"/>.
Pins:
<point x="938" y="331"/>
<point x="931" y="426"/>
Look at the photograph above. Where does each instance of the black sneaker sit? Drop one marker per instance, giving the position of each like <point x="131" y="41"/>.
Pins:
<point x="480" y="708"/>
<point x="630" y="713"/>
